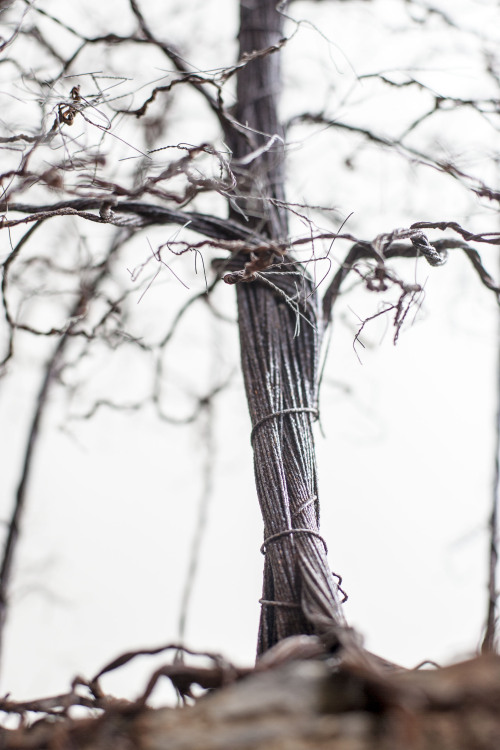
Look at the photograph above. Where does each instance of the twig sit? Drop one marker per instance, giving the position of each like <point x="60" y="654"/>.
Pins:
<point x="14" y="526"/>
<point x="489" y="643"/>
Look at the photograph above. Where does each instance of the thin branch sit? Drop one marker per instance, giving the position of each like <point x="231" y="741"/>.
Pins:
<point x="490" y="640"/>
<point x="207" y="484"/>
<point x="435" y="253"/>
<point x="5" y="275"/>
<point x="14" y="526"/>
<point x="174" y="56"/>
<point x="205" y="224"/>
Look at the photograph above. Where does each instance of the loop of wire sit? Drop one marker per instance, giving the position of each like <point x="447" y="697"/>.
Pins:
<point x="295" y="410"/>
<point x="339" y="586"/>
<point x="291" y="532"/>
<point x="269" y="603"/>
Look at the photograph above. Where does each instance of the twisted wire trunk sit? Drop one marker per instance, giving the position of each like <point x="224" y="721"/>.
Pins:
<point x="280" y="340"/>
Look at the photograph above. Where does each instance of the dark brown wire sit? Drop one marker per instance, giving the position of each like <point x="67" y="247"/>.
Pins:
<point x="291" y="532"/>
<point x="278" y="414"/>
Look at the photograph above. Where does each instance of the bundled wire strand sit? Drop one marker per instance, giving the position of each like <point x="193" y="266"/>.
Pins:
<point x="280" y="368"/>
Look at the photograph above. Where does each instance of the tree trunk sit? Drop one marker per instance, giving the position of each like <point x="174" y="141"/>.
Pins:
<point x="279" y="334"/>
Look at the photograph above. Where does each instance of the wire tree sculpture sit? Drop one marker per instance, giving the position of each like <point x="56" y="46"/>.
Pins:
<point x="91" y="146"/>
